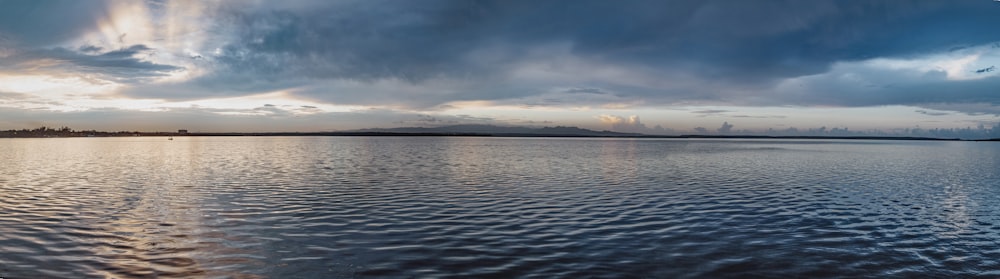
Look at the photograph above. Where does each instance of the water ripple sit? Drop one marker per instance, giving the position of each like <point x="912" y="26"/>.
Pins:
<point x="303" y="207"/>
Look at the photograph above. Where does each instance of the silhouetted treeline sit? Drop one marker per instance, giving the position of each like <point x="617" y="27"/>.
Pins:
<point x="48" y="132"/>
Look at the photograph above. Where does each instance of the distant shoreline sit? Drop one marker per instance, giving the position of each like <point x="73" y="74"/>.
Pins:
<point x="7" y="134"/>
<point x="564" y="136"/>
<point x="470" y="130"/>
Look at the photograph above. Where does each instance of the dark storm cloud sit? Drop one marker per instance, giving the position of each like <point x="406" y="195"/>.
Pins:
<point x="89" y="49"/>
<point x="125" y="64"/>
<point x="410" y="40"/>
<point x="734" y="40"/>
<point x="736" y="44"/>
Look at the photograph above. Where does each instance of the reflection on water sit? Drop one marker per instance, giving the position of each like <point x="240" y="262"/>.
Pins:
<point x="105" y="208"/>
<point x="333" y="207"/>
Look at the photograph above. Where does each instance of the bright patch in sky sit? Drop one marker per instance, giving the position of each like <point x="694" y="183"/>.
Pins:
<point x="965" y="64"/>
<point x="52" y="86"/>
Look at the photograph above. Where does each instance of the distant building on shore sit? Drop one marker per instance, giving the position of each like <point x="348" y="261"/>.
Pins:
<point x="182" y="131"/>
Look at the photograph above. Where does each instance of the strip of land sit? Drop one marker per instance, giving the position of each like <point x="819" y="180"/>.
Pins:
<point x="472" y="131"/>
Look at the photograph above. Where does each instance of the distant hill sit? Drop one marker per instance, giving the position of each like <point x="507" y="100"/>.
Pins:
<point x="493" y="130"/>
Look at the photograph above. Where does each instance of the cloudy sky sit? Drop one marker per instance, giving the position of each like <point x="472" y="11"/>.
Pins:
<point x="660" y="66"/>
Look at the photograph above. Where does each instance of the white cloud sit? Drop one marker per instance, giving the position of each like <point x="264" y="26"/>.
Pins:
<point x="631" y="124"/>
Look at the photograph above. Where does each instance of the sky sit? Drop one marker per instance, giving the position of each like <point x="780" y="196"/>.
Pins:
<point x="658" y="67"/>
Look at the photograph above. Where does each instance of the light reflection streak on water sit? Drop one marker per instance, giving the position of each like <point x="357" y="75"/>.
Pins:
<point x="114" y="209"/>
<point x="501" y="207"/>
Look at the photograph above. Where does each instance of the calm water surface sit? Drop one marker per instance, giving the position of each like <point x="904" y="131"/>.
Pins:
<point x="374" y="207"/>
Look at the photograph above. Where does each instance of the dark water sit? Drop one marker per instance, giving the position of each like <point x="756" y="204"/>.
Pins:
<point x="341" y="207"/>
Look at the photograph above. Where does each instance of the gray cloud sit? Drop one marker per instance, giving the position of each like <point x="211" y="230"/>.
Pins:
<point x="14" y="96"/>
<point x="723" y="113"/>
<point x="27" y="101"/>
<point x="126" y="64"/>
<point x="932" y="113"/>
<point x="710" y="112"/>
<point x="758" y="116"/>
<point x="631" y="124"/>
<point x="726" y="128"/>
<point x="468" y="50"/>
<point x="586" y="90"/>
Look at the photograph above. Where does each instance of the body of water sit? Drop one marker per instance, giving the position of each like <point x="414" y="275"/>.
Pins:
<point x="375" y="207"/>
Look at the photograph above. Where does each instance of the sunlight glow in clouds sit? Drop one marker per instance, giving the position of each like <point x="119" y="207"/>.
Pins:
<point x="52" y="86"/>
<point x="55" y="93"/>
<point x="252" y="105"/>
<point x="965" y="64"/>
